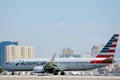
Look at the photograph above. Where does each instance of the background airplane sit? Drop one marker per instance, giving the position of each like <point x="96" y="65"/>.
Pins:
<point x="55" y="65"/>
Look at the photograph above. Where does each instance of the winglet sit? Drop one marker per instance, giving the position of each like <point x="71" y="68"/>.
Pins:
<point x="53" y="58"/>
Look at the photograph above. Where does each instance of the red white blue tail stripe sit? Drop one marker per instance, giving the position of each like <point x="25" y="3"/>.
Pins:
<point x="109" y="48"/>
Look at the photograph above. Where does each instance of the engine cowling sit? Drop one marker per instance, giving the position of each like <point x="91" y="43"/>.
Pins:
<point x="38" y="70"/>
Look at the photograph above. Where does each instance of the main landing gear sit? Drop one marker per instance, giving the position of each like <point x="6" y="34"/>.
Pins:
<point x="13" y="73"/>
<point x="55" y="72"/>
<point x="62" y="73"/>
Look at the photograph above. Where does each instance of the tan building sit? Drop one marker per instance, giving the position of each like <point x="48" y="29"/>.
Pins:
<point x="69" y="51"/>
<point x="19" y="52"/>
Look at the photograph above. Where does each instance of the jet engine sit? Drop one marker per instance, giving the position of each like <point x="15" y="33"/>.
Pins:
<point x="38" y="69"/>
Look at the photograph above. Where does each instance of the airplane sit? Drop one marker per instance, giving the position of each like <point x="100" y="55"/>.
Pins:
<point x="56" y="65"/>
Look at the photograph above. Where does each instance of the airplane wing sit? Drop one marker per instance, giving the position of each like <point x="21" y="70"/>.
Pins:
<point x="49" y="67"/>
<point x="51" y="64"/>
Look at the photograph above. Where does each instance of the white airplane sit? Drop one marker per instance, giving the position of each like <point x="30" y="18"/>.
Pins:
<point x="55" y="65"/>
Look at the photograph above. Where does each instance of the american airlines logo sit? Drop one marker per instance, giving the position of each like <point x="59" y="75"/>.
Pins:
<point x="35" y="63"/>
<point x="17" y="64"/>
<point x="20" y="61"/>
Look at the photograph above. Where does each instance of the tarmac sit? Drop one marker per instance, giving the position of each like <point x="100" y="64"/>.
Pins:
<point x="22" y="77"/>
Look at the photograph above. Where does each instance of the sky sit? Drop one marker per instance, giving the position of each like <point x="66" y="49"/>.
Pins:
<point x="51" y="25"/>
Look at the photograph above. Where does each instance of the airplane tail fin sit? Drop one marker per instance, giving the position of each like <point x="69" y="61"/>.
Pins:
<point x="109" y="49"/>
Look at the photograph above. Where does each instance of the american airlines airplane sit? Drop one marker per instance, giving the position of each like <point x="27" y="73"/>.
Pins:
<point x="55" y="65"/>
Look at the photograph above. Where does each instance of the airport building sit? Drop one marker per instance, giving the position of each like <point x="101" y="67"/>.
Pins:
<point x="2" y="50"/>
<point x="19" y="52"/>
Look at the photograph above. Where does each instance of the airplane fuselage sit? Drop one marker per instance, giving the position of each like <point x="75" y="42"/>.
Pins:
<point x="66" y="64"/>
